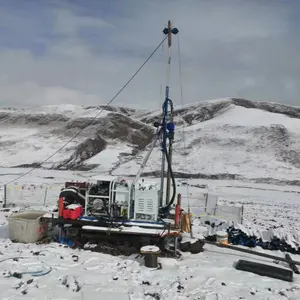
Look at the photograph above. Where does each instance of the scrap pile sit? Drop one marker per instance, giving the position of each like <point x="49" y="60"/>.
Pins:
<point x="239" y="235"/>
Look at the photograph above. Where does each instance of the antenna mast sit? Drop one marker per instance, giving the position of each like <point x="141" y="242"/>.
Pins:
<point x="167" y="122"/>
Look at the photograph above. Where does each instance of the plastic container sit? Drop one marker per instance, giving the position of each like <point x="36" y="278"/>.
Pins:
<point x="222" y="237"/>
<point x="26" y="227"/>
<point x="73" y="212"/>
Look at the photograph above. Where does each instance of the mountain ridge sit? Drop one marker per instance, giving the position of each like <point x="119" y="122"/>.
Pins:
<point x="120" y="135"/>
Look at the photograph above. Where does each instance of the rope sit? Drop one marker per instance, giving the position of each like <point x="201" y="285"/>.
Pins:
<point x="161" y="85"/>
<point x="133" y="158"/>
<point x="182" y="105"/>
<point x="161" y="89"/>
<point x="93" y="119"/>
<point x="32" y="273"/>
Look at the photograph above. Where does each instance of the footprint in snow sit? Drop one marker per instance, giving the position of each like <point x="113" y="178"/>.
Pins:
<point x="71" y="283"/>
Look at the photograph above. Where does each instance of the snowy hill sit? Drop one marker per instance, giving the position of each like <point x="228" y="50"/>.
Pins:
<point x="226" y="138"/>
<point x="233" y="138"/>
<point x="30" y="136"/>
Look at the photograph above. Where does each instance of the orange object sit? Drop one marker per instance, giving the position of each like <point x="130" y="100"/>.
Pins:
<point x="61" y="206"/>
<point x="186" y="222"/>
<point x="177" y="210"/>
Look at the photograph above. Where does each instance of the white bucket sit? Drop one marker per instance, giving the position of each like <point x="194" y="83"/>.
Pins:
<point x="25" y="227"/>
<point x="222" y="237"/>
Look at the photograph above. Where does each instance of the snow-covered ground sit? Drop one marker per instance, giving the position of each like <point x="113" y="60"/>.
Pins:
<point x="109" y="157"/>
<point x="77" y="274"/>
<point x="80" y="275"/>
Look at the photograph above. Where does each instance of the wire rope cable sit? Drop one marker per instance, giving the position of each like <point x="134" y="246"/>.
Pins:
<point x="182" y="106"/>
<point x="94" y="118"/>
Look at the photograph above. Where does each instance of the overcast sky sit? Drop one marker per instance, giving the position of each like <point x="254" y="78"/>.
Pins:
<point x="83" y="51"/>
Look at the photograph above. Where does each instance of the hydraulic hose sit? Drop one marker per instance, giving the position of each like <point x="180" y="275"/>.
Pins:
<point x="173" y="182"/>
<point x="165" y="209"/>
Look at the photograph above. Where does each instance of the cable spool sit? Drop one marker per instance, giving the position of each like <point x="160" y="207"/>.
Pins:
<point x="150" y="254"/>
<point x="222" y="237"/>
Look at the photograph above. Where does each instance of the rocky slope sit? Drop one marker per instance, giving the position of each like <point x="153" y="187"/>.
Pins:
<point x="227" y="138"/>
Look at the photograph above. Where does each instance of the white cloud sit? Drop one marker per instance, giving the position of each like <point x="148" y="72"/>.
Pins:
<point x="67" y="23"/>
<point x="68" y="53"/>
<point x="37" y="95"/>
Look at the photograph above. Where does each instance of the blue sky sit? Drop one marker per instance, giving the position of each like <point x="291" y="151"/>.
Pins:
<point x="83" y="51"/>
